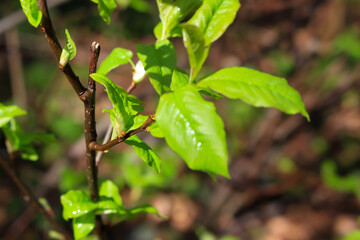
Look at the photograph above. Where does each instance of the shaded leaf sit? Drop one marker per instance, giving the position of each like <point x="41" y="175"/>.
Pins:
<point x="256" y="88"/>
<point x="193" y="129"/>
<point x="106" y="7"/>
<point x="179" y="79"/>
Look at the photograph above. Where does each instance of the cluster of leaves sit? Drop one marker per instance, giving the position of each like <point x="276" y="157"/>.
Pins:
<point x="188" y="122"/>
<point x="79" y="207"/>
<point x="17" y="141"/>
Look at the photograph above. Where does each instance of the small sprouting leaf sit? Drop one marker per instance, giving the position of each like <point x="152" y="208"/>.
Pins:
<point x="179" y="79"/>
<point x="69" y="50"/>
<point x="106" y="7"/>
<point x="122" y="112"/>
<point x="256" y="88"/>
<point x="145" y="153"/>
<point x="138" y="121"/>
<point x="110" y="190"/>
<point x="156" y="131"/>
<point x="175" y="32"/>
<point x="139" y="72"/>
<point x="32" y="12"/>
<point x="173" y="12"/>
<point x="8" y="112"/>
<point x="194" y="130"/>
<point x="117" y="57"/>
<point x="214" y="17"/>
<point x="117" y="122"/>
<point x="83" y="225"/>
<point x="159" y="61"/>
<point x="195" y="44"/>
<point x="76" y="203"/>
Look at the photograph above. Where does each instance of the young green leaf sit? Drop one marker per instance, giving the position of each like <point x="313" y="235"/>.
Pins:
<point x="32" y="12"/>
<point x="106" y="7"/>
<point x="156" y="131"/>
<point x="145" y="153"/>
<point x="179" y="79"/>
<point x="110" y="190"/>
<point x="122" y="112"/>
<point x="210" y="93"/>
<point x="194" y="130"/>
<point x="138" y="121"/>
<point x="133" y="212"/>
<point x="117" y="57"/>
<point x="256" y="88"/>
<point x="159" y="61"/>
<point x="158" y="31"/>
<point x="214" y="17"/>
<point x="107" y="205"/>
<point x="173" y="12"/>
<point x="69" y="50"/>
<point x="8" y="112"/>
<point x="195" y="44"/>
<point x="83" y="225"/>
<point x="76" y="203"/>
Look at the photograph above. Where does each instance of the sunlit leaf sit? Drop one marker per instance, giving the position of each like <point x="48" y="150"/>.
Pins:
<point x="8" y="112"/>
<point x="106" y="7"/>
<point x="110" y="190"/>
<point x="69" y="50"/>
<point x="194" y="130"/>
<point x="83" y="225"/>
<point x="32" y="12"/>
<point x="145" y="153"/>
<point x="117" y="57"/>
<point x="156" y="131"/>
<point x="159" y="61"/>
<point x="214" y="17"/>
<point x="179" y="79"/>
<point x="76" y="203"/>
<point x="256" y="88"/>
<point x="197" y="51"/>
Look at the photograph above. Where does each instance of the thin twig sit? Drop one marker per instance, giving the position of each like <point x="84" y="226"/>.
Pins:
<point x="29" y="196"/>
<point x="105" y="147"/>
<point x="48" y="29"/>
<point x="131" y="87"/>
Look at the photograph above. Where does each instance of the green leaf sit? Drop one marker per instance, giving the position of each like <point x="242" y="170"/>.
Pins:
<point x="194" y="130"/>
<point x="355" y="235"/>
<point x="122" y="112"/>
<point x="159" y="61"/>
<point x="131" y="213"/>
<point x="8" y="112"/>
<point x="117" y="122"/>
<point x="256" y="88"/>
<point x="32" y="12"/>
<point x="145" y="153"/>
<point x="107" y="205"/>
<point x="179" y="79"/>
<point x="210" y="93"/>
<point x="158" y="31"/>
<point x="69" y="50"/>
<point x="173" y="12"/>
<point x="214" y="17"/>
<point x="138" y="121"/>
<point x="117" y="57"/>
<point x="106" y="7"/>
<point x="156" y="131"/>
<point x="83" y="225"/>
<point x="76" y="203"/>
<point x="110" y="190"/>
<point x="195" y="44"/>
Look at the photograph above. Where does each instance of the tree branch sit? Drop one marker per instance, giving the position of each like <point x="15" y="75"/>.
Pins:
<point x="48" y="29"/>
<point x="105" y="147"/>
<point x="30" y="197"/>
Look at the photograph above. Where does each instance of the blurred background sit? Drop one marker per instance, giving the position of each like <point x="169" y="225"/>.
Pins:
<point x="291" y="179"/>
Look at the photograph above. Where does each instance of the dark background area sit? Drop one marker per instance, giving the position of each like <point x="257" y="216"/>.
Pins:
<point x="291" y="179"/>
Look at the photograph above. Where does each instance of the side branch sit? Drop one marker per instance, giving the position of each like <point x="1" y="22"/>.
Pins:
<point x="105" y="147"/>
<point x="49" y="31"/>
<point x="29" y="196"/>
